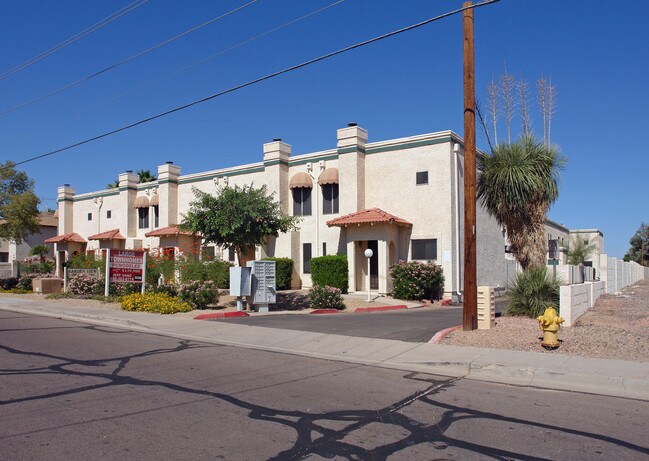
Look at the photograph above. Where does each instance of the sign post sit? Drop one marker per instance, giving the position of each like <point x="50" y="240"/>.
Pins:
<point x="125" y="266"/>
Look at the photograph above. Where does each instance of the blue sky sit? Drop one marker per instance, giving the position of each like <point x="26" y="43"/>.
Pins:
<point x="596" y="54"/>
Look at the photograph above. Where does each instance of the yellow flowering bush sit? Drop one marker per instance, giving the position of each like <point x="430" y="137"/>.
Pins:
<point x="160" y="303"/>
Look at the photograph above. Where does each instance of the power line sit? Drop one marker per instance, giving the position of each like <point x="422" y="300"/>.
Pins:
<point x="189" y="66"/>
<point x="121" y="63"/>
<point x="107" y="20"/>
<point x="255" y="81"/>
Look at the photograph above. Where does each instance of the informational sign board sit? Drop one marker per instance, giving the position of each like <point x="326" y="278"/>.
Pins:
<point x="125" y="266"/>
<point x="553" y="249"/>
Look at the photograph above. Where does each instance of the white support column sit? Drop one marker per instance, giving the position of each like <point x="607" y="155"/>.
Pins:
<point x="351" y="265"/>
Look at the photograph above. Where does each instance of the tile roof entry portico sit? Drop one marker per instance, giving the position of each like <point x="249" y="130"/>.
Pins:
<point x="108" y="235"/>
<point x="371" y="216"/>
<point x="71" y="237"/>
<point x="170" y="231"/>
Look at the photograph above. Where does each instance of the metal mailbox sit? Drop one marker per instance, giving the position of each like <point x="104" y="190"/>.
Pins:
<point x="240" y="281"/>
<point x="264" y="284"/>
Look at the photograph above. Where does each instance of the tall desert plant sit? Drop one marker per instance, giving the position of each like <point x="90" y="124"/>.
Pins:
<point x="531" y="292"/>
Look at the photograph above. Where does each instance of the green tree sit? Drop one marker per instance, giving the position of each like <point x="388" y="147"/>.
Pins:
<point x="238" y="218"/>
<point x="639" y="240"/>
<point x="517" y="185"/>
<point x="579" y="250"/>
<point x="113" y="185"/>
<point x="146" y="176"/>
<point x="18" y="204"/>
<point x="41" y="251"/>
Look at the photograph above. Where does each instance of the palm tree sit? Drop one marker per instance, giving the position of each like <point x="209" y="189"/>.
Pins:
<point x="519" y="182"/>
<point x="113" y="185"/>
<point x="579" y="250"/>
<point x="146" y="176"/>
<point x="41" y="251"/>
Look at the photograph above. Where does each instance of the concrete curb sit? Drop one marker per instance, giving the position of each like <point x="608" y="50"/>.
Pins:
<point x="440" y="335"/>
<point x="379" y="308"/>
<point x="221" y="315"/>
<point x="324" y="311"/>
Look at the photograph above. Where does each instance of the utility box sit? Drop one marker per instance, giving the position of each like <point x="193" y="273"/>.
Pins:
<point x="240" y="281"/>
<point x="486" y="308"/>
<point x="47" y="285"/>
<point x="264" y="285"/>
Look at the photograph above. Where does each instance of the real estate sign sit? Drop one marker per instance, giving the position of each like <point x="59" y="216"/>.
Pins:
<point x="125" y="266"/>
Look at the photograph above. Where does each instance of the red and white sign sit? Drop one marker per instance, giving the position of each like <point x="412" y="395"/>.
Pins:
<point x="126" y="266"/>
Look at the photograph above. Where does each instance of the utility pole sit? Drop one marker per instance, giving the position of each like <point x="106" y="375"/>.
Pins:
<point x="470" y="297"/>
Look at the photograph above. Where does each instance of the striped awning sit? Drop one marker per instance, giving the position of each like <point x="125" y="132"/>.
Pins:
<point x="328" y="176"/>
<point x="141" y="202"/>
<point x="300" y="180"/>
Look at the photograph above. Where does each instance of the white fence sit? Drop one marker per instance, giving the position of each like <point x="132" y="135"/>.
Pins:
<point x="575" y="300"/>
<point x="619" y="274"/>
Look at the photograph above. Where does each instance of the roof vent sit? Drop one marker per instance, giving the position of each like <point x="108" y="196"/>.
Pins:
<point x="352" y="124"/>
<point x="277" y="139"/>
<point x="169" y="162"/>
<point x="129" y="171"/>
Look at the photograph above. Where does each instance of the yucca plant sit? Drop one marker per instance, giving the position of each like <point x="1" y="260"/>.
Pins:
<point x="517" y="185"/>
<point x="532" y="292"/>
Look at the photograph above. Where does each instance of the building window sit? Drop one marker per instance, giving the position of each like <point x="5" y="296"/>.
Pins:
<point x="422" y="177"/>
<point x="142" y="218"/>
<point x="4" y="256"/>
<point x="330" y="198"/>
<point x="302" y="201"/>
<point x="424" y="249"/>
<point x="156" y="215"/>
<point x="231" y="254"/>
<point x="207" y="253"/>
<point x="89" y="216"/>
<point x="306" y="258"/>
<point x="324" y="248"/>
<point x="108" y="214"/>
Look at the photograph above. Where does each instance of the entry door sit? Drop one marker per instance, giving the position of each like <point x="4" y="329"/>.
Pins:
<point x="374" y="264"/>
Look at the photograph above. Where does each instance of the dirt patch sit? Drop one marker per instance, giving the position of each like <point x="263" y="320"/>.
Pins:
<point x="616" y="328"/>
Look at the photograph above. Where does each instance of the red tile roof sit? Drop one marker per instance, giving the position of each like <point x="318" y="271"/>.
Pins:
<point x="373" y="215"/>
<point x="168" y="232"/>
<point x="71" y="237"/>
<point x="108" y="235"/>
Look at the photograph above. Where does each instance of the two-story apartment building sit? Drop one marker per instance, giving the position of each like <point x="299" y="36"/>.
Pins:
<point x="403" y="198"/>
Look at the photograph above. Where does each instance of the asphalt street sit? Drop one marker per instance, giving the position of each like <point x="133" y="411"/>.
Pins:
<point x="72" y="391"/>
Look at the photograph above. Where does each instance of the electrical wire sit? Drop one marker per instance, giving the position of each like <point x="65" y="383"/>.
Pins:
<point x="189" y="66"/>
<point x="255" y="81"/>
<point x="121" y="63"/>
<point x="107" y="20"/>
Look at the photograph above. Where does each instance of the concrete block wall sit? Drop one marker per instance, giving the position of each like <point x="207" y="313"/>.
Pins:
<point x="575" y="300"/>
<point x="619" y="274"/>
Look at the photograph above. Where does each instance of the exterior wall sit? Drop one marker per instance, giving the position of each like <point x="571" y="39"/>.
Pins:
<point x="575" y="300"/>
<point x="21" y="252"/>
<point x="380" y="174"/>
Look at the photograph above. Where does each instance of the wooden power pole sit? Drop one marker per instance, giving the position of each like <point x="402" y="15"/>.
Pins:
<point x="470" y="296"/>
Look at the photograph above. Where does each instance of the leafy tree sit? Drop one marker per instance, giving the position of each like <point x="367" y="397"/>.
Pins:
<point x="41" y="251"/>
<point x="519" y="182"/>
<point x="18" y="204"/>
<point x="113" y="185"/>
<point x="579" y="251"/>
<point x="146" y="176"/>
<point x="238" y="218"/>
<point x="635" y="251"/>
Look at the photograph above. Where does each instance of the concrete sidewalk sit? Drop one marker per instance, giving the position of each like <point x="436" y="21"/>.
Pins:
<point x="605" y="377"/>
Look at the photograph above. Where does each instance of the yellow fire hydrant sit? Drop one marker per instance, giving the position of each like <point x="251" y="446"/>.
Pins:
<point x="549" y="323"/>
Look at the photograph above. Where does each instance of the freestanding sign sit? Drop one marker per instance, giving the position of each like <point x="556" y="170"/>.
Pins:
<point x="125" y="266"/>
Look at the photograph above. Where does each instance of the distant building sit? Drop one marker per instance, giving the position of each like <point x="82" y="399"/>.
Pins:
<point x="403" y="198"/>
<point x="10" y="251"/>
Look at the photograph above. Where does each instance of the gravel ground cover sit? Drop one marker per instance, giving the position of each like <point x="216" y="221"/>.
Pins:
<point x="616" y="328"/>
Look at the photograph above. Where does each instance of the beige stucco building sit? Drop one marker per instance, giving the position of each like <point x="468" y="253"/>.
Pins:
<point x="403" y="198"/>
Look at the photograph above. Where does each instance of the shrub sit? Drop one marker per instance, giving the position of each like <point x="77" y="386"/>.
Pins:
<point x="9" y="283"/>
<point x="121" y="289"/>
<point x="283" y="272"/>
<point x="325" y="297"/>
<point x="193" y="270"/>
<point x="45" y="267"/>
<point x="199" y="294"/>
<point x="416" y="281"/>
<point x="531" y="292"/>
<point x="156" y="265"/>
<point x="161" y="303"/>
<point x="171" y="290"/>
<point x="330" y="271"/>
<point x="83" y="261"/>
<point x="84" y="284"/>
<point x="25" y="281"/>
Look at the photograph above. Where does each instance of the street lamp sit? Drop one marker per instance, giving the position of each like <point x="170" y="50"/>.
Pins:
<point x="368" y="254"/>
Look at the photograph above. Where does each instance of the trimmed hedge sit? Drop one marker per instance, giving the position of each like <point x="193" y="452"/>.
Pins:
<point x="283" y="272"/>
<point x="330" y="271"/>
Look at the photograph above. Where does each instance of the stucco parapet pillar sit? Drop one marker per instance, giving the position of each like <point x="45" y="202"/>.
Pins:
<point x="168" y="176"/>
<point x="276" y="158"/>
<point x="127" y="192"/>
<point x="65" y="200"/>
<point x="351" y="162"/>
